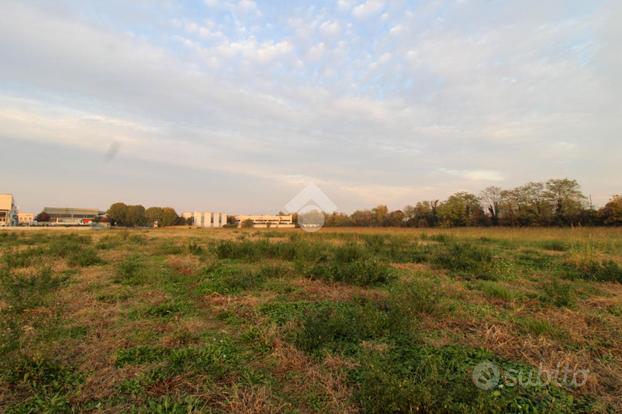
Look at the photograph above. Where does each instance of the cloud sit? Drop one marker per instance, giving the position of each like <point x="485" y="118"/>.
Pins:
<point x="330" y="28"/>
<point x="368" y="8"/>
<point x="475" y="175"/>
<point x="302" y="92"/>
<point x="247" y="6"/>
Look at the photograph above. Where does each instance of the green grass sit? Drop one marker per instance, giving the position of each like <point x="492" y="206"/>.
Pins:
<point x="351" y="320"/>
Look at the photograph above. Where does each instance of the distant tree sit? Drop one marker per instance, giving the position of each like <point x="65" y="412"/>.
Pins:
<point x="361" y="218"/>
<point x="461" y="209"/>
<point x="118" y="214"/>
<point x="43" y="217"/>
<point x="136" y="216"/>
<point x="168" y="217"/>
<point x="491" y="198"/>
<point x="336" y="219"/>
<point x="611" y="213"/>
<point x="247" y="224"/>
<point x="395" y="219"/>
<point x="423" y="214"/>
<point x="153" y="215"/>
<point x="379" y="215"/>
<point x="566" y="200"/>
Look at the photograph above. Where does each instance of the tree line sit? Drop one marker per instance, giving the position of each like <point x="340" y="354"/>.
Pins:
<point x="121" y="214"/>
<point x="556" y="202"/>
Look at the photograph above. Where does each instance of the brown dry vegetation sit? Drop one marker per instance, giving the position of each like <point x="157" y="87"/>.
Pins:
<point x="187" y="320"/>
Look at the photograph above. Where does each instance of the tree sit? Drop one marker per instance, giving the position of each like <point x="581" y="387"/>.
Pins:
<point x="379" y="215"/>
<point x="136" y="216"/>
<point x="611" y="214"/>
<point x="395" y="219"/>
<point x="43" y="217"/>
<point x="117" y="213"/>
<point x="361" y="218"/>
<point x="153" y="215"/>
<point x="461" y="209"/>
<point x="169" y="217"/>
<point x="566" y="199"/>
<point x="492" y="197"/>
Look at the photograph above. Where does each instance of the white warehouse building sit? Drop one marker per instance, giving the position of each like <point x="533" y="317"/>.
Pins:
<point x="207" y="219"/>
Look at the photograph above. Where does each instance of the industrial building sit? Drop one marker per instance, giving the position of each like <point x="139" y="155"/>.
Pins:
<point x="267" y="221"/>
<point x="25" y="219"/>
<point x="207" y="218"/>
<point x="71" y="216"/>
<point x="8" y="211"/>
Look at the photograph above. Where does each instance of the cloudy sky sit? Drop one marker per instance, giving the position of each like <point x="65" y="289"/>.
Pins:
<point x="236" y="105"/>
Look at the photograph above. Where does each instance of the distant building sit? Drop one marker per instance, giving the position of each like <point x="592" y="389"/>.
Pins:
<point x="208" y="219"/>
<point x="8" y="211"/>
<point x="267" y="221"/>
<point x="72" y="216"/>
<point x="25" y="219"/>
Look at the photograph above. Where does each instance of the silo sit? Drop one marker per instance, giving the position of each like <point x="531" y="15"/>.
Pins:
<point x="207" y="219"/>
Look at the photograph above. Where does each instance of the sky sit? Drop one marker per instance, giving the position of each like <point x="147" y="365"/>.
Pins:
<point x="237" y="105"/>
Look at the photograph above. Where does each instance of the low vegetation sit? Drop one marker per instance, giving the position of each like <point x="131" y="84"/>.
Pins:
<point x="338" y="321"/>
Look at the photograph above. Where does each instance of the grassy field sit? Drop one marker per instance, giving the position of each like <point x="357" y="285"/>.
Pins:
<point x="343" y="320"/>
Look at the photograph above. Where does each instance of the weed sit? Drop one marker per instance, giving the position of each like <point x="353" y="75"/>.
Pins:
<point x="228" y="279"/>
<point x="494" y="290"/>
<point x="168" y="309"/>
<point x="465" y="259"/>
<point x="358" y="271"/>
<point x="600" y="271"/>
<point x="24" y="292"/>
<point x="419" y="378"/>
<point x="554" y="245"/>
<point x="340" y="326"/>
<point x="540" y="327"/>
<point x="85" y="257"/>
<point x="558" y="293"/>
<point x="129" y="270"/>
